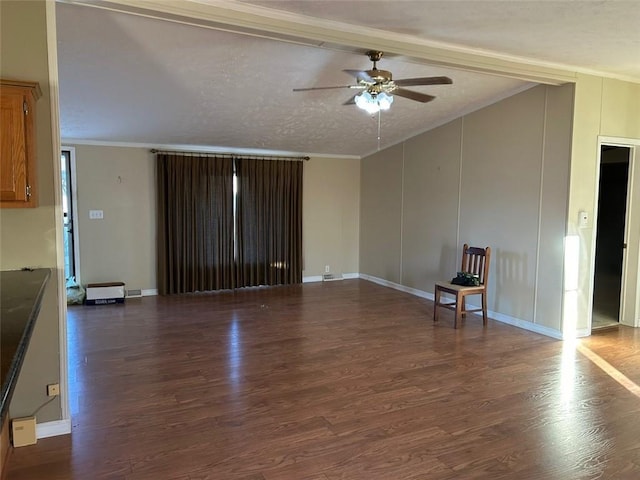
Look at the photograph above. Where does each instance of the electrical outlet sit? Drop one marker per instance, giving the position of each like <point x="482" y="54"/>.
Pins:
<point x="326" y="269"/>
<point x="96" y="214"/>
<point x="53" y="390"/>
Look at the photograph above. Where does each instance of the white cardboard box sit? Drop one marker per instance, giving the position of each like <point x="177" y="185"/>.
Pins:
<point x="105" y="293"/>
<point x="24" y="431"/>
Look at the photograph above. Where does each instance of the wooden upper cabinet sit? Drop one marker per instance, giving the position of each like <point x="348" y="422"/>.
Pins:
<point x="18" y="143"/>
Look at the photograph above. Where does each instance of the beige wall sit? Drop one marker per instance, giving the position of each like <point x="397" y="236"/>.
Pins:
<point x="28" y="236"/>
<point x="553" y="205"/>
<point x="609" y="108"/>
<point x="431" y="182"/>
<point x="500" y="195"/>
<point x="381" y="214"/>
<point x="496" y="177"/>
<point x="331" y="216"/>
<point x="119" y="181"/>
<point x="121" y="247"/>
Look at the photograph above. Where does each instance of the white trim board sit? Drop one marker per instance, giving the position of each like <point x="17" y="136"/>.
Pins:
<point x="54" y="103"/>
<point x="312" y="279"/>
<point x="397" y="286"/>
<point x="53" y="429"/>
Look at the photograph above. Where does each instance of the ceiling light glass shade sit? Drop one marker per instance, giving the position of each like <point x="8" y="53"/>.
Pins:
<point x="384" y="101"/>
<point x="366" y="102"/>
<point x="373" y="103"/>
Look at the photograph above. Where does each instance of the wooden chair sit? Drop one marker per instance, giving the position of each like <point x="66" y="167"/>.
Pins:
<point x="476" y="261"/>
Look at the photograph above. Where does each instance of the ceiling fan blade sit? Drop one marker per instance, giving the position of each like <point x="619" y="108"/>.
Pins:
<point x="360" y="75"/>
<point x="411" y="95"/>
<point x="412" y="82"/>
<point x="326" y="88"/>
<point x="351" y="101"/>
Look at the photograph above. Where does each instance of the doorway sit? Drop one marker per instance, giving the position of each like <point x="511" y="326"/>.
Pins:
<point x="610" y="235"/>
<point x="71" y="267"/>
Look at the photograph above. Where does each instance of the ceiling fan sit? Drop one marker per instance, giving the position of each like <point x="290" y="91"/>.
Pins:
<point x="378" y="86"/>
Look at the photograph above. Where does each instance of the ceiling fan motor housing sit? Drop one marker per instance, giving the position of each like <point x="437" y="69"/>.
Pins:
<point x="380" y="76"/>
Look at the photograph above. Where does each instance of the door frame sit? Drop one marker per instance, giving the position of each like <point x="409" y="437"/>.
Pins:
<point x="630" y="277"/>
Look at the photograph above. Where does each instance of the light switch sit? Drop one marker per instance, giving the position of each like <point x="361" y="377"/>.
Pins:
<point x="96" y="214"/>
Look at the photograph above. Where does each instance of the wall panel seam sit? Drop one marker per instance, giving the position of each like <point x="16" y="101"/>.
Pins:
<point x="460" y="159"/>
<point x="540" y="199"/>
<point x="401" y="273"/>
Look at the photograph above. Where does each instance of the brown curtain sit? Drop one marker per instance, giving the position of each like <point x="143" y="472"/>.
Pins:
<point x="195" y="223"/>
<point x="269" y="222"/>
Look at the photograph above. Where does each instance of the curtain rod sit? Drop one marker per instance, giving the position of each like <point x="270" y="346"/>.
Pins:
<point x="231" y="155"/>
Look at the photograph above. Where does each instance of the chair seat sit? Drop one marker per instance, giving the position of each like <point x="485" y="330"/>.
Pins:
<point x="452" y="287"/>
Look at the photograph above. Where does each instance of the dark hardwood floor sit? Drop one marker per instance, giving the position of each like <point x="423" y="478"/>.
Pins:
<point x="340" y="380"/>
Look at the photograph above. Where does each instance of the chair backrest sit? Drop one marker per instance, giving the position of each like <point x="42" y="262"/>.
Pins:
<point x="476" y="260"/>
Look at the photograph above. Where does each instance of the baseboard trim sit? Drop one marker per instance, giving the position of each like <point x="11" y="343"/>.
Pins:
<point x="397" y="286"/>
<point x="500" y="317"/>
<point x="53" y="429"/>
<point x="525" y="325"/>
<point x="311" y="279"/>
<point x="585" y="332"/>
<point x="349" y="276"/>
<point x="150" y="292"/>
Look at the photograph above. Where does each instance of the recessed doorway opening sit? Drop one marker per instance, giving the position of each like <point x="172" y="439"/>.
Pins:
<point x="611" y="236"/>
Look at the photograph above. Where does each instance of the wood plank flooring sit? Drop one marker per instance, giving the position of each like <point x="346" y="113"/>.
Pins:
<point x="339" y="380"/>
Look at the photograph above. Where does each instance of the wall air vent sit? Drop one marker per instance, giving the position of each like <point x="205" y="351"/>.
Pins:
<point x="330" y="277"/>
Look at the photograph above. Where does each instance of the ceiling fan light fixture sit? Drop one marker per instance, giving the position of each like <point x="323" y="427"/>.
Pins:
<point x="367" y="102"/>
<point x="373" y="103"/>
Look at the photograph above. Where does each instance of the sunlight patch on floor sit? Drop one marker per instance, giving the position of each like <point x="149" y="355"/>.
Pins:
<point x="609" y="369"/>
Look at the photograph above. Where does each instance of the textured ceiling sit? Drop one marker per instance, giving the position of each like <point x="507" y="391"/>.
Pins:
<point x="131" y="79"/>
<point x="597" y="35"/>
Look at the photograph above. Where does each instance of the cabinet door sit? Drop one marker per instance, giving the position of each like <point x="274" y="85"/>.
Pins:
<point x="17" y="143"/>
<point x="13" y="159"/>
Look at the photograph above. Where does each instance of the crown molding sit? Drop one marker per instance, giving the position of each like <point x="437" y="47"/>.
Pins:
<point x="71" y="142"/>
<point x="285" y="26"/>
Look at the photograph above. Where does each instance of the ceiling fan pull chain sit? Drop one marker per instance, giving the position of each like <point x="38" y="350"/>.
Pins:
<point x="379" y="121"/>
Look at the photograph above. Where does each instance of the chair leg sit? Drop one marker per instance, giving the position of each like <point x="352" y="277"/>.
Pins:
<point x="459" y="300"/>
<point x="484" y="309"/>
<point x="436" y="301"/>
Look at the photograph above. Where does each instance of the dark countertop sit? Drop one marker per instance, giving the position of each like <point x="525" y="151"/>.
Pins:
<point x="21" y="293"/>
